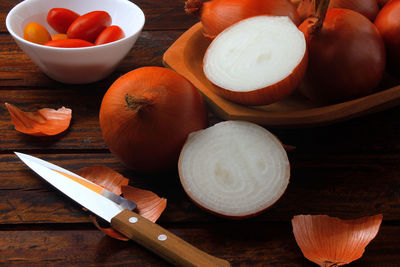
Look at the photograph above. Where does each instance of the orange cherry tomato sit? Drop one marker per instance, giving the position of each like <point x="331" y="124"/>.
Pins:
<point x="69" y="43"/>
<point x="36" y="33"/>
<point x="59" y="36"/>
<point x="61" y="18"/>
<point x="89" y="26"/>
<point x="110" y="34"/>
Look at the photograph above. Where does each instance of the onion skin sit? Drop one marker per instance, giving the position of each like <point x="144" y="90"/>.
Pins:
<point x="217" y="15"/>
<point x="146" y="116"/>
<point x="388" y="24"/>
<point x="368" y="8"/>
<point x="269" y="94"/>
<point x="346" y="57"/>
<point x="382" y="3"/>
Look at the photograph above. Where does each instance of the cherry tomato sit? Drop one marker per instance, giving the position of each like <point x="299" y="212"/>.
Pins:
<point x="89" y="26"/>
<point x="61" y="18"/>
<point x="110" y="34"/>
<point x="69" y="43"/>
<point x="59" y="36"/>
<point x="36" y="33"/>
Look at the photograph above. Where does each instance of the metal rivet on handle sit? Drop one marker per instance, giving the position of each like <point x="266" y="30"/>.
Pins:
<point x="162" y="237"/>
<point x="133" y="219"/>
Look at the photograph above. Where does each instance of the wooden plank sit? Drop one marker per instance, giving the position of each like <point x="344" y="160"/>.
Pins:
<point x="241" y="243"/>
<point x="18" y="70"/>
<point x="347" y="187"/>
<point x="84" y="133"/>
<point x="166" y="14"/>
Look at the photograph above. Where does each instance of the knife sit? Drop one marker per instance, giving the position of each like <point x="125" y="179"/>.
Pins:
<point x="118" y="211"/>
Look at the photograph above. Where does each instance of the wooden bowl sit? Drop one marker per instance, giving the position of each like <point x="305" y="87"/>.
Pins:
<point x="185" y="56"/>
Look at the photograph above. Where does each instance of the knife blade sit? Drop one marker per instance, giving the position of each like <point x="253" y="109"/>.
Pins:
<point x="119" y="212"/>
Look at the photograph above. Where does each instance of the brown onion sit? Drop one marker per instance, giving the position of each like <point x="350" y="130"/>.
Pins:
<point x="146" y="116"/>
<point x="346" y="56"/>
<point x="388" y="24"/>
<point x="368" y="8"/>
<point x="382" y="3"/>
<point x="217" y="15"/>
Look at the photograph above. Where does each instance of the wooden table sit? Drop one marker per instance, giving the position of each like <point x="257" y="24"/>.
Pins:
<point x="349" y="170"/>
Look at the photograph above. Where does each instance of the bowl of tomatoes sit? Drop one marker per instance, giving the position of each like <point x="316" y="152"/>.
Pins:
<point x="75" y="41"/>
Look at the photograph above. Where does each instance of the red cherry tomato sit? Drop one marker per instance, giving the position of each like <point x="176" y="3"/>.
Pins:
<point x="59" y="36"/>
<point x="61" y="18"/>
<point x="89" y="26"/>
<point x="69" y="43"/>
<point x="110" y="34"/>
<point x="36" y="33"/>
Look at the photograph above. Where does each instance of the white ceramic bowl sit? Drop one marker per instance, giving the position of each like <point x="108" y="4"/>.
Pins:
<point x="76" y="65"/>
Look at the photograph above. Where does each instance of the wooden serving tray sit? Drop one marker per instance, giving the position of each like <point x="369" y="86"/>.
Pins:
<point x="185" y="56"/>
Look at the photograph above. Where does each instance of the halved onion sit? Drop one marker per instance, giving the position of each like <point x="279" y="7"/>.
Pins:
<point x="257" y="61"/>
<point x="234" y="169"/>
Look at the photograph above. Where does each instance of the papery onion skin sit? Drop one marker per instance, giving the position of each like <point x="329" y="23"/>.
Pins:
<point x="43" y="122"/>
<point x="146" y="116"/>
<point x="388" y="24"/>
<point x="346" y="57"/>
<point x="330" y="241"/>
<point x="217" y="15"/>
<point x="149" y="205"/>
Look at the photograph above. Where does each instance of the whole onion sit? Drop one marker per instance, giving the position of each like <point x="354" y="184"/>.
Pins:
<point x="368" y="8"/>
<point x="217" y="15"/>
<point x="388" y="24"/>
<point x="146" y="116"/>
<point x="346" y="55"/>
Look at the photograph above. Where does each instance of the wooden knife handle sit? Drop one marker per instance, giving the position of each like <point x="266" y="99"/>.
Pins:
<point x="160" y="241"/>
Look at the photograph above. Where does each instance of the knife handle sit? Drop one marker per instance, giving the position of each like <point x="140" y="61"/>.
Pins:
<point x="167" y="245"/>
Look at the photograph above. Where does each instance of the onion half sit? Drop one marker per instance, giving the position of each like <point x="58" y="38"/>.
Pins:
<point x="234" y="169"/>
<point x="257" y="61"/>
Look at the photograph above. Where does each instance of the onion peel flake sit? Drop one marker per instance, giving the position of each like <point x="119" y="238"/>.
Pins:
<point x="148" y="204"/>
<point x="43" y="122"/>
<point x="329" y="241"/>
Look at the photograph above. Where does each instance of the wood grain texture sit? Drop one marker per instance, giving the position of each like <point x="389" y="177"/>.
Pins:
<point x="17" y="70"/>
<point x="240" y="243"/>
<point x="347" y="187"/>
<point x="349" y="137"/>
<point x="162" y="242"/>
<point x="349" y="169"/>
<point x="185" y="56"/>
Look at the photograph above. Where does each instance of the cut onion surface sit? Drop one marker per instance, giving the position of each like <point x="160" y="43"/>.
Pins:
<point x="234" y="169"/>
<point x="257" y="61"/>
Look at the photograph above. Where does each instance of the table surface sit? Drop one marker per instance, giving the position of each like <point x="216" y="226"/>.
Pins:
<point x="350" y="169"/>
